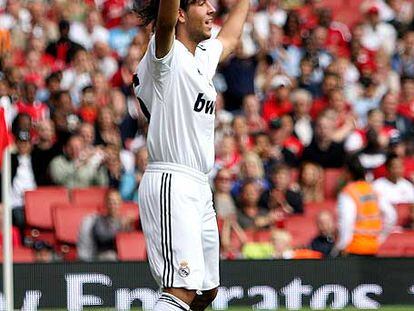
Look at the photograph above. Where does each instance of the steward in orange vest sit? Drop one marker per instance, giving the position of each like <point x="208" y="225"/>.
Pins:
<point x="363" y="219"/>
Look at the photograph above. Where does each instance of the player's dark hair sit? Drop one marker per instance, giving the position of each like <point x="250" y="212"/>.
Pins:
<point x="147" y="10"/>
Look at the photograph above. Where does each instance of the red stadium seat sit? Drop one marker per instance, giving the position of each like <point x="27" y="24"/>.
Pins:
<point x="409" y="251"/>
<point x="397" y="244"/>
<point x="313" y="209"/>
<point x="390" y="250"/>
<point x="263" y="236"/>
<point x="403" y="213"/>
<point x="331" y="182"/>
<point x="67" y="219"/>
<point x="92" y="195"/>
<point x="130" y="209"/>
<point x="131" y="246"/>
<point x="303" y="230"/>
<point x="20" y="255"/>
<point x="38" y="205"/>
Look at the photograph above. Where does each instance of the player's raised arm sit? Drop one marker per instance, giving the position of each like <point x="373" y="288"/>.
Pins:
<point x="165" y="26"/>
<point x="232" y="29"/>
<point x="165" y="14"/>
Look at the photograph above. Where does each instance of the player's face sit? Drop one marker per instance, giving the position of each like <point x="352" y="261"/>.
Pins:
<point x="200" y="15"/>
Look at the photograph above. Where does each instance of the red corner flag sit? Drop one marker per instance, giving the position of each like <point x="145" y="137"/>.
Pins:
<point x="4" y="135"/>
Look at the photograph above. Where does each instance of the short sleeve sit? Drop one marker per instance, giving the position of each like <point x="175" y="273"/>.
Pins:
<point x="160" y="66"/>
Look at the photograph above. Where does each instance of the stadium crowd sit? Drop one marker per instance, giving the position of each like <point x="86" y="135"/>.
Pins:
<point x="301" y="92"/>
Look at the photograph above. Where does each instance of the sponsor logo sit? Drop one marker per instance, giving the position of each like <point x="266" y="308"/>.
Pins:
<point x="203" y="105"/>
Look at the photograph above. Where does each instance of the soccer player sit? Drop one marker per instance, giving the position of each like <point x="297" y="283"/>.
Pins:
<point x="173" y="84"/>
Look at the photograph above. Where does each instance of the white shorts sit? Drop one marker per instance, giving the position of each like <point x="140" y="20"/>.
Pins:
<point x="180" y="227"/>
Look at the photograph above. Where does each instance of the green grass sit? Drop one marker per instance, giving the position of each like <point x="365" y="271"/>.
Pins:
<point x="387" y="308"/>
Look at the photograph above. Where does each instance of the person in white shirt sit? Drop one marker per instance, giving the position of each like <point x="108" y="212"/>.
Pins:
<point x="173" y="84"/>
<point x="394" y="187"/>
<point x="377" y="34"/>
<point x="22" y="177"/>
<point x="89" y="32"/>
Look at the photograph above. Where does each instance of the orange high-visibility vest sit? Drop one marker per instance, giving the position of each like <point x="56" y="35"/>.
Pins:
<point x="5" y="42"/>
<point x="368" y="223"/>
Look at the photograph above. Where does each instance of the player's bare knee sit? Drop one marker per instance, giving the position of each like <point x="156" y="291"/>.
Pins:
<point x="201" y="302"/>
<point x="183" y="294"/>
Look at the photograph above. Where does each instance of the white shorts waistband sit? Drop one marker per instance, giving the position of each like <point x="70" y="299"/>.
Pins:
<point x="177" y="168"/>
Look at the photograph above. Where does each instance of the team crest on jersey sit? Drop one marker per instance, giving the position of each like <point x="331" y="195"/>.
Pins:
<point x="184" y="269"/>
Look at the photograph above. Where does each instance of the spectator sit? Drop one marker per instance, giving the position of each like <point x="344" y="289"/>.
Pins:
<point x="250" y="214"/>
<point x="22" y="177"/>
<point x="121" y="37"/>
<point x="64" y="48"/>
<point x="251" y="110"/>
<point x="74" y="171"/>
<point x="402" y="60"/>
<point x="357" y="140"/>
<point x="377" y="34"/>
<point x="76" y="77"/>
<point x="244" y="141"/>
<point x="277" y="103"/>
<point x="227" y="213"/>
<point x="97" y="233"/>
<point x="393" y="119"/>
<point x="273" y="14"/>
<point x="394" y="187"/>
<point x="302" y="102"/>
<point x="44" y="252"/>
<point x="364" y="217"/>
<point x="227" y="155"/>
<point x="287" y="147"/>
<point x="287" y="57"/>
<point x="283" y="249"/>
<point x="239" y="72"/>
<point x="106" y="63"/>
<point x="325" y="240"/>
<point x="130" y="180"/>
<point x="283" y="195"/>
<point x="107" y="131"/>
<point x="311" y="179"/>
<point x="323" y="149"/>
<point x="251" y="168"/>
<point x="44" y="150"/>
<point x="90" y="32"/>
<point x="330" y="82"/>
<point x="38" y="111"/>
<point x="406" y="107"/>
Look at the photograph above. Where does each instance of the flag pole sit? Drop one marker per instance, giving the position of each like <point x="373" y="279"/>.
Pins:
<point x="7" y="232"/>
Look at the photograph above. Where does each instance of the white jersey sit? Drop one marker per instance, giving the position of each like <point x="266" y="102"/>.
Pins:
<point x="177" y="96"/>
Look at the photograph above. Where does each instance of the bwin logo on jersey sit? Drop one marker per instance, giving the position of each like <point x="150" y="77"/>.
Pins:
<point x="204" y="104"/>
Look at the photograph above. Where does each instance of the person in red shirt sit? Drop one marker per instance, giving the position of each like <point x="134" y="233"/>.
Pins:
<point x="37" y="110"/>
<point x="330" y="81"/>
<point x="277" y="103"/>
<point x="251" y="110"/>
<point x="406" y="106"/>
<point x="398" y="147"/>
<point x="342" y="110"/>
<point x="281" y="136"/>
<point x="338" y="34"/>
<point x="112" y="11"/>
